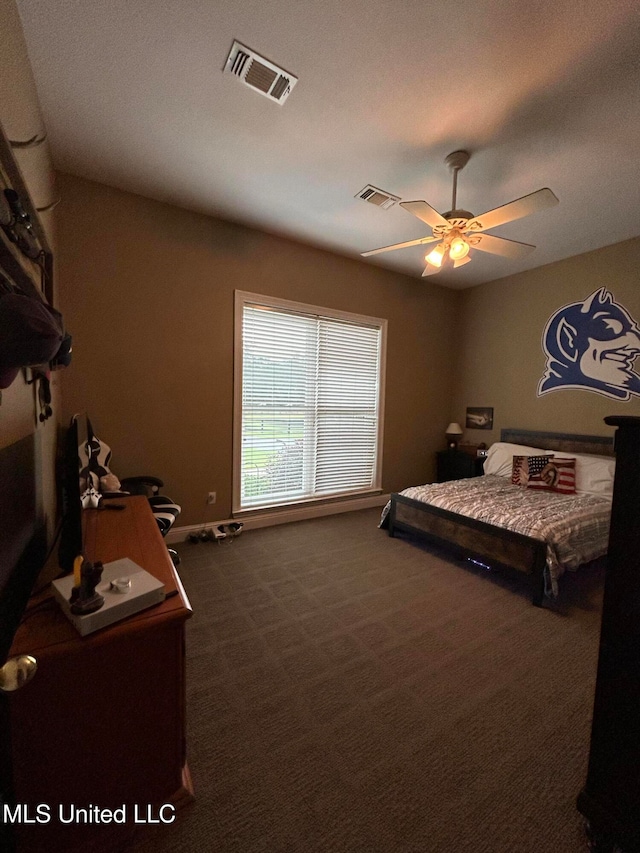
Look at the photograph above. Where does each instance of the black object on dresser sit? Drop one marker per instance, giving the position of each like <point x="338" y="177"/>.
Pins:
<point x="457" y="465"/>
<point x="610" y="799"/>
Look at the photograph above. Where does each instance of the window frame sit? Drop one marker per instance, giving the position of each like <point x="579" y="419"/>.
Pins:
<point x="242" y="298"/>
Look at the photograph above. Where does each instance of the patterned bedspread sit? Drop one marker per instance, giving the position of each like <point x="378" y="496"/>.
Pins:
<point x="575" y="527"/>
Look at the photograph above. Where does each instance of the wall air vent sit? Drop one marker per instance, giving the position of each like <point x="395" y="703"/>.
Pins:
<point x="378" y="197"/>
<point x="258" y="73"/>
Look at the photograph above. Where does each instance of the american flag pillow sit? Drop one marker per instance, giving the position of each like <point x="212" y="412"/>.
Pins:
<point x="558" y="475"/>
<point x="526" y="468"/>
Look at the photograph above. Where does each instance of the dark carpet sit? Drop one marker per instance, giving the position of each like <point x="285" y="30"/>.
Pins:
<point x="350" y="692"/>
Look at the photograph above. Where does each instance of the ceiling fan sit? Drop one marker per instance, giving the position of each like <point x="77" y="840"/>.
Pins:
<point x="456" y="232"/>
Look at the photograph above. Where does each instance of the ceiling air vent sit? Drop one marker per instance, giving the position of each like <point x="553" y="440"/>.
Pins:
<point x="260" y="74"/>
<point x="378" y="197"/>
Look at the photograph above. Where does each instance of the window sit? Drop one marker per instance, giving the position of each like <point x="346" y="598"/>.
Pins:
<point x="309" y="386"/>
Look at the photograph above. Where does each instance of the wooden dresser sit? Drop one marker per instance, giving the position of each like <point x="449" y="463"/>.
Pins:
<point x="103" y="721"/>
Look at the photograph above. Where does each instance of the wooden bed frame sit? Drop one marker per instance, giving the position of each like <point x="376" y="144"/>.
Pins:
<point x="486" y="543"/>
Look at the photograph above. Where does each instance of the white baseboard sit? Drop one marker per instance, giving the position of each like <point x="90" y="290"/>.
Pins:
<point x="181" y="534"/>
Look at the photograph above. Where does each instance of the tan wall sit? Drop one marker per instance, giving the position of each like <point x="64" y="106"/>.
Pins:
<point x="500" y="332"/>
<point x="147" y="292"/>
<point x="20" y="118"/>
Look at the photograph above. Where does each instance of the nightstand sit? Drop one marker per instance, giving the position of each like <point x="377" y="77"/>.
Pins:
<point x="457" y="465"/>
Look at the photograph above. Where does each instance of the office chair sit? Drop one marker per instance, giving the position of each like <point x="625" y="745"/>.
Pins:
<point x="96" y="476"/>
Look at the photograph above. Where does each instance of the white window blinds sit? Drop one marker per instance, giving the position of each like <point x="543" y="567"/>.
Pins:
<point x="311" y="396"/>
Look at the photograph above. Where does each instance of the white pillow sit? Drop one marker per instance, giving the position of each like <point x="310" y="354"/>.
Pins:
<point x="594" y="474"/>
<point x="500" y="455"/>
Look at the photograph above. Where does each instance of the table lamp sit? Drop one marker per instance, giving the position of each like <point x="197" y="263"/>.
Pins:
<point x="453" y="433"/>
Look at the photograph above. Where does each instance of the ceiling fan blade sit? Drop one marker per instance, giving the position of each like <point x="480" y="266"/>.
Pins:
<point x="461" y="262"/>
<point x="500" y="246"/>
<point x="424" y="212"/>
<point x="430" y="269"/>
<point x="531" y="203"/>
<point x="400" y="246"/>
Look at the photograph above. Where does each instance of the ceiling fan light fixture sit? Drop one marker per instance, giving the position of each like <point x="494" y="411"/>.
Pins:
<point x="436" y="256"/>
<point x="458" y="230"/>
<point x="459" y="249"/>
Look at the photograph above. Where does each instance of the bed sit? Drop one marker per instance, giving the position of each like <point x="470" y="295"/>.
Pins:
<point x="495" y="523"/>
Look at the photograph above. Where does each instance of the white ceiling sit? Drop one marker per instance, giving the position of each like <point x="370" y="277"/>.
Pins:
<point x="542" y="93"/>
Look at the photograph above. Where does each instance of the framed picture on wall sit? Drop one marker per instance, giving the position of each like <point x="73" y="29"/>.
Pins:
<point x="479" y="417"/>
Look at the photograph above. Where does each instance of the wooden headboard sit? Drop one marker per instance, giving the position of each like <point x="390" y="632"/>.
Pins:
<point x="563" y="442"/>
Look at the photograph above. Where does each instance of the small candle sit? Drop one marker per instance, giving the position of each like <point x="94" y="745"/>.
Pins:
<point x="77" y="570"/>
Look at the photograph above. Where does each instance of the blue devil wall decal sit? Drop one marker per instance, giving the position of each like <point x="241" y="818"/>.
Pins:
<point x="592" y="346"/>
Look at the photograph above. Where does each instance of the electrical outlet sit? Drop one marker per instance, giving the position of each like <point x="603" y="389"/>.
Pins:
<point x="211" y="498"/>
